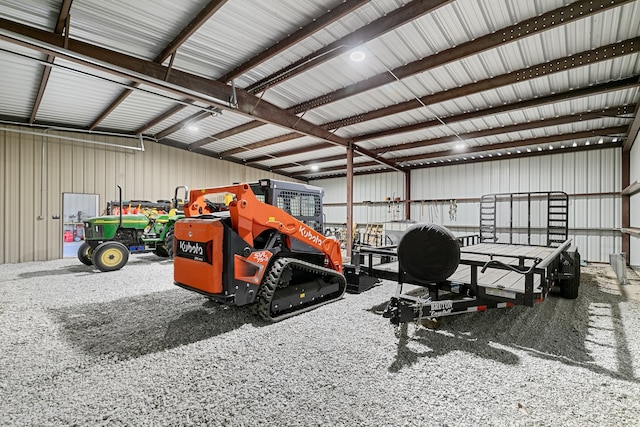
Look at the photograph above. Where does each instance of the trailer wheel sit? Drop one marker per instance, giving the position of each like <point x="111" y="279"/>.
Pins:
<point x="110" y="256"/>
<point x="168" y="243"/>
<point x="569" y="287"/>
<point x="84" y="253"/>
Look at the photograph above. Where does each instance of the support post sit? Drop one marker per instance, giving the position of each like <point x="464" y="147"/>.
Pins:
<point x="349" y="238"/>
<point x="626" y="203"/>
<point x="407" y="194"/>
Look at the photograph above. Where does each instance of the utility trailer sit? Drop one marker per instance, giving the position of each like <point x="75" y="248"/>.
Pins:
<point x="503" y="267"/>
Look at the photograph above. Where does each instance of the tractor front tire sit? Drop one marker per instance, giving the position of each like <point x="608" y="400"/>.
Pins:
<point x="161" y="251"/>
<point x="84" y="253"/>
<point x="168" y="243"/>
<point x="110" y="256"/>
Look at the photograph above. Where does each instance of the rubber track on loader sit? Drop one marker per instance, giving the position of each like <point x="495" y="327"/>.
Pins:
<point x="273" y="282"/>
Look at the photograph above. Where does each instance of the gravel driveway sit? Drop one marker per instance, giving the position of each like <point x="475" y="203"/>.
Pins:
<point x="80" y="347"/>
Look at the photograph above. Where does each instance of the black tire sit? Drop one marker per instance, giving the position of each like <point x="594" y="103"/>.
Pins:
<point x="161" y="251"/>
<point x="84" y="253"/>
<point x="168" y="242"/>
<point x="110" y="256"/>
<point x="569" y="287"/>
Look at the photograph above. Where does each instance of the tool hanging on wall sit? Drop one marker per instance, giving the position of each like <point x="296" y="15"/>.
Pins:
<point x="453" y="210"/>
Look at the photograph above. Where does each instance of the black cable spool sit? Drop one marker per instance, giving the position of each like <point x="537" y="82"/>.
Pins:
<point x="430" y="253"/>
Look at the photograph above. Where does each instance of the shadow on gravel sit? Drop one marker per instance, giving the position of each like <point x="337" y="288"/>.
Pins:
<point x="557" y="329"/>
<point x="81" y="268"/>
<point x="132" y="327"/>
<point x="74" y="269"/>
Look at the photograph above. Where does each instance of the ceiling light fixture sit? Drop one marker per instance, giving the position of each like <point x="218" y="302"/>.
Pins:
<point x="315" y="168"/>
<point x="357" y="56"/>
<point x="539" y="148"/>
<point x="193" y="128"/>
<point x="528" y="150"/>
<point x="587" y="143"/>
<point x="600" y="141"/>
<point x="575" y="144"/>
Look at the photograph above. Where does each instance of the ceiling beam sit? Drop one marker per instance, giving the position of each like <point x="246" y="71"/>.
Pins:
<point x="310" y="29"/>
<point x="576" y="10"/>
<point x="537" y="24"/>
<point x="173" y="143"/>
<point x="610" y="131"/>
<point x="380" y="26"/>
<point x="194" y="118"/>
<point x="634" y="129"/>
<point x="480" y="149"/>
<point x="316" y="25"/>
<point x="160" y="118"/>
<point x="200" y="19"/>
<point x="623" y="48"/>
<point x="260" y="144"/>
<point x="225" y="134"/>
<point x="535" y="102"/>
<point x="290" y="152"/>
<point x="63" y="18"/>
<point x="308" y="177"/>
<point x="603" y="53"/>
<point x="601" y="88"/>
<point x="183" y="84"/>
<point x="545" y="122"/>
<point x="487" y="132"/>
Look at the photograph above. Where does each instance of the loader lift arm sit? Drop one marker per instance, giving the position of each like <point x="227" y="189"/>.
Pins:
<point x="250" y="218"/>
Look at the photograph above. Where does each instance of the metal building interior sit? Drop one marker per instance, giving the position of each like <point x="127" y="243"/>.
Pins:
<point x="439" y="82"/>
<point x="414" y="103"/>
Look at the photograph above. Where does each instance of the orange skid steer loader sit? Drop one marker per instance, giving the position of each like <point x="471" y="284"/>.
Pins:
<point x="267" y="250"/>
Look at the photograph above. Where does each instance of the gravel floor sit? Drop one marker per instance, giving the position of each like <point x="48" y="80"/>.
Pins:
<point x="79" y="347"/>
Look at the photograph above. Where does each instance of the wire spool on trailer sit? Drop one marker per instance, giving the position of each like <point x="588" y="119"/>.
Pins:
<point x="430" y="253"/>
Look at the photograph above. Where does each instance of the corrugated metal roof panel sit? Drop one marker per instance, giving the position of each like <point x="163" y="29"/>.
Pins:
<point x="276" y="149"/>
<point x="142" y="28"/>
<point x="210" y="126"/>
<point x="137" y="109"/>
<point x="20" y="79"/>
<point x="362" y="16"/>
<point x="232" y="37"/>
<point x="75" y="96"/>
<point x="40" y="14"/>
<point x="172" y="120"/>
<point x="307" y="158"/>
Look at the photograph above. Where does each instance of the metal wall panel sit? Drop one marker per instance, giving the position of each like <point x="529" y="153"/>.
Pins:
<point x="82" y="167"/>
<point x="594" y="218"/>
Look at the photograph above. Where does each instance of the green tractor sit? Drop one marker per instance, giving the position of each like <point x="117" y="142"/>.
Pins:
<point x="131" y="227"/>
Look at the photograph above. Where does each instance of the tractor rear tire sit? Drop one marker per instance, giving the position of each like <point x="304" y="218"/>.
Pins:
<point x="84" y="253"/>
<point x="168" y="243"/>
<point x="110" y="256"/>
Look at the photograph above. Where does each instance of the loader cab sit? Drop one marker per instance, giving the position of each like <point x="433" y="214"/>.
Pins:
<point x="302" y="201"/>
